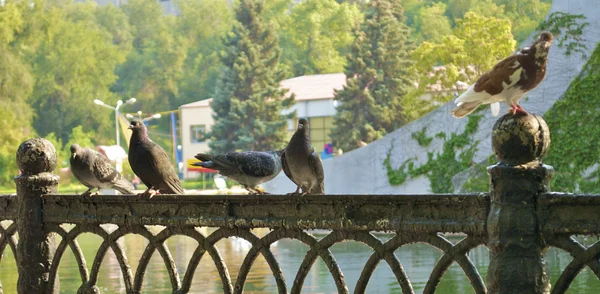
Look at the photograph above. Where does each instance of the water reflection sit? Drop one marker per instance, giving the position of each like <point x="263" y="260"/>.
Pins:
<point x="418" y="261"/>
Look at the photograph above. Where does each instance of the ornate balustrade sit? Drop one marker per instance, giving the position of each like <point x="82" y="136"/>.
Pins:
<point x="518" y="221"/>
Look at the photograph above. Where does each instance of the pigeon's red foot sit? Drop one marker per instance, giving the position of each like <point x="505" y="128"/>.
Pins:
<point x="520" y="109"/>
<point x="149" y="193"/>
<point x="152" y="193"/>
<point x="515" y="108"/>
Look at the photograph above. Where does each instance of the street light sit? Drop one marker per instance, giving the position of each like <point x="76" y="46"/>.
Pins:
<point x="116" y="109"/>
<point x="139" y="113"/>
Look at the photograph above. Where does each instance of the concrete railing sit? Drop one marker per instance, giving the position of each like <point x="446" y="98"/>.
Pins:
<point x="518" y="221"/>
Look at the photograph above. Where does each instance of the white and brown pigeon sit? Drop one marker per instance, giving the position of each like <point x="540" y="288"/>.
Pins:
<point x="301" y="164"/>
<point x="508" y="80"/>
<point x="249" y="168"/>
<point x="94" y="170"/>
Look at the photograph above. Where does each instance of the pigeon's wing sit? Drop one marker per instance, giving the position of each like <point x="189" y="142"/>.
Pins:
<point x="317" y="167"/>
<point x="106" y="173"/>
<point x="286" y="168"/>
<point x="503" y="75"/>
<point x="164" y="170"/>
<point x="255" y="164"/>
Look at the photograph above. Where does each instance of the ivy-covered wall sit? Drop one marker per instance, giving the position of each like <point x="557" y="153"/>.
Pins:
<point x="440" y="166"/>
<point x="574" y="123"/>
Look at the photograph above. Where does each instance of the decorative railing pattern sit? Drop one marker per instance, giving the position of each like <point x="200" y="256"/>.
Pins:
<point x="518" y="220"/>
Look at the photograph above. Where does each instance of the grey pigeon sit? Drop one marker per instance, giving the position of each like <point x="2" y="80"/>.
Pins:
<point x="302" y="164"/>
<point x="94" y="170"/>
<point x="151" y="163"/>
<point x="249" y="168"/>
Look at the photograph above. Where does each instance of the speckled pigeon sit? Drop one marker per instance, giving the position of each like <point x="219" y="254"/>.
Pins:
<point x="302" y="164"/>
<point x="94" y="170"/>
<point x="508" y="80"/>
<point x="249" y="168"/>
<point x="151" y="163"/>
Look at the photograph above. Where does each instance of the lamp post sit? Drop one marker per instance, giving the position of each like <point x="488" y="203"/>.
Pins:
<point x="139" y="113"/>
<point x="116" y="109"/>
<point x="120" y="103"/>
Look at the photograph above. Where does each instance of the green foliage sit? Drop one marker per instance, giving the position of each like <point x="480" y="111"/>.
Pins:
<point x="202" y="24"/>
<point x="478" y="179"/>
<point x="474" y="47"/>
<point x="568" y="29"/>
<point x="421" y="137"/>
<point x="395" y="176"/>
<point x="317" y="35"/>
<point x="456" y="155"/>
<point x="155" y="65"/>
<point x="377" y="78"/>
<point x="524" y="15"/>
<point x="248" y="100"/>
<point x="574" y="121"/>
<point x="75" y="62"/>
<point x="432" y="23"/>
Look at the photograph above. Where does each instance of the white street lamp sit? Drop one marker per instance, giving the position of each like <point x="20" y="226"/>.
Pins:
<point x="154" y="116"/>
<point x="116" y="109"/>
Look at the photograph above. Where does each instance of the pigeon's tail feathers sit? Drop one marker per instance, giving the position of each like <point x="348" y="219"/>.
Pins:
<point x="203" y="157"/>
<point x="465" y="108"/>
<point x="124" y="187"/>
<point x="495" y="108"/>
<point x="318" y="189"/>
<point x="207" y="164"/>
<point x="206" y="160"/>
<point x="175" y="187"/>
<point x="471" y="95"/>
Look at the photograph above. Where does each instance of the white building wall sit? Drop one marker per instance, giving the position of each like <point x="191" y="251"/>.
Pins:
<point x="313" y="108"/>
<point x="193" y="116"/>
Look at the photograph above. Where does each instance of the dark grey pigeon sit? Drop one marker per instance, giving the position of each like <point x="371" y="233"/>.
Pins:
<point x="249" y="168"/>
<point x="151" y="163"/>
<point x="94" y="170"/>
<point x="302" y="164"/>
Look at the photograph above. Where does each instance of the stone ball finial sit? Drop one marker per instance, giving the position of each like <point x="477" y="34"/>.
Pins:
<point x="520" y="138"/>
<point x="36" y="156"/>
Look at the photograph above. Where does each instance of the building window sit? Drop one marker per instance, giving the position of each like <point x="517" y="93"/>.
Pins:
<point x="198" y="133"/>
<point x="320" y="127"/>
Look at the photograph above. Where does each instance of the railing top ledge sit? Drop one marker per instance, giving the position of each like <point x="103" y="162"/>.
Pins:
<point x="436" y="213"/>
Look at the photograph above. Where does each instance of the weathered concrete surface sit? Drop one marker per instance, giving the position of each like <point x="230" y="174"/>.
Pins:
<point x="362" y="171"/>
<point x="407" y="213"/>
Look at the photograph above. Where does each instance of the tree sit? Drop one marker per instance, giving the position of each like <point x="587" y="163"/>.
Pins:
<point x="377" y="78"/>
<point x="154" y="68"/>
<point x="317" y="36"/>
<point x="477" y="43"/>
<point x="74" y="64"/>
<point x="248" y="102"/>
<point x="432" y="22"/>
<point x="202" y="24"/>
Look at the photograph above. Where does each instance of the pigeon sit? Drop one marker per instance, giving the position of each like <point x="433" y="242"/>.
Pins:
<point x="249" y="168"/>
<point x="94" y="170"/>
<point x="151" y="163"/>
<point x="301" y="164"/>
<point x="508" y="80"/>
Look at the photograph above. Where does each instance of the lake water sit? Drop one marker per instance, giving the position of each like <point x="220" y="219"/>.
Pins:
<point x="418" y="260"/>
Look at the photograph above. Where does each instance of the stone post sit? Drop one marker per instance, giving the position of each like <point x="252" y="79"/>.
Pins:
<point x="517" y="247"/>
<point x="36" y="159"/>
